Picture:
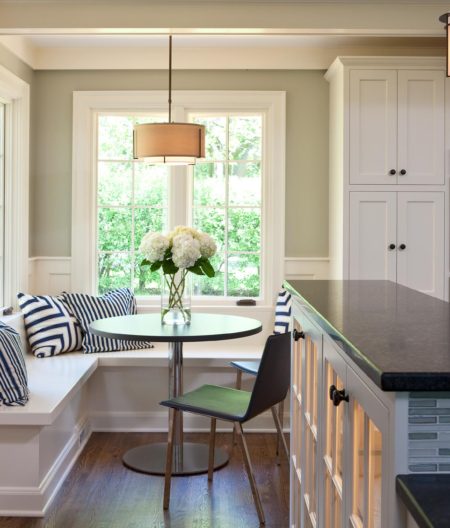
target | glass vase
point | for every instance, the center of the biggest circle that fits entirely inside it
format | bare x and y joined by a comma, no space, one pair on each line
176,298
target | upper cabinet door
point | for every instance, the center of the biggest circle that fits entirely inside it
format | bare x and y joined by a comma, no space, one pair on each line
421,127
420,255
373,226
373,127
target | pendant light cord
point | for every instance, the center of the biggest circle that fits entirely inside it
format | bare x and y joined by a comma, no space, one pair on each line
170,78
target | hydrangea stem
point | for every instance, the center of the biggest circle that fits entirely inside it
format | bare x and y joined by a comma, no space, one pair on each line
176,290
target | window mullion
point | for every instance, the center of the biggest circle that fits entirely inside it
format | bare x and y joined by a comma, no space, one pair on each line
227,193
178,182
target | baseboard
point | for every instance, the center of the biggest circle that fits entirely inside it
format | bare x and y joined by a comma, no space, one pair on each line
34,501
156,422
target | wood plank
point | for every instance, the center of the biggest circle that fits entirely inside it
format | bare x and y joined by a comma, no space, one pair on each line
100,492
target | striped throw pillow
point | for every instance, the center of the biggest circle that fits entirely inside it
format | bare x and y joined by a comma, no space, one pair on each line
50,325
13,372
89,308
283,312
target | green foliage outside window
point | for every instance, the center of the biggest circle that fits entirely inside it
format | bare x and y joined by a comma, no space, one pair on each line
132,199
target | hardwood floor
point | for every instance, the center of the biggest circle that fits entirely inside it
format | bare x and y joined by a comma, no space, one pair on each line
101,493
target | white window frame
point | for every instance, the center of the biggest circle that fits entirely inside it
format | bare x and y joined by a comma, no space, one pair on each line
86,107
15,92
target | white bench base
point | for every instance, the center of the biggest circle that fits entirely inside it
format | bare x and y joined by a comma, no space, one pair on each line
75,394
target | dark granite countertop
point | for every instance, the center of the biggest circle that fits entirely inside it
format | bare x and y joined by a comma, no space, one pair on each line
399,337
427,498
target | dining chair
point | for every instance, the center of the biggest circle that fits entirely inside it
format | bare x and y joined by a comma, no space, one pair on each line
283,312
237,406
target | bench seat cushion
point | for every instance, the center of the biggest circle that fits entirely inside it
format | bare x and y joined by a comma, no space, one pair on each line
13,373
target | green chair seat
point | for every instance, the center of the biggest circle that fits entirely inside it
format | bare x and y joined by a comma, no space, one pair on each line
214,401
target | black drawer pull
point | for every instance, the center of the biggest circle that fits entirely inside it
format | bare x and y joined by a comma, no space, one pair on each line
337,396
298,335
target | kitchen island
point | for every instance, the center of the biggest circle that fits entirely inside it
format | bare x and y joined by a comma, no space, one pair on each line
370,375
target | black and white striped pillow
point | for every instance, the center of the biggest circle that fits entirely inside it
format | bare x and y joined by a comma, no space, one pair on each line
50,326
13,372
283,312
88,308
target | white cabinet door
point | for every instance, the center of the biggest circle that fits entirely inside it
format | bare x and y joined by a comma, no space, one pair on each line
421,127
373,220
373,126
420,255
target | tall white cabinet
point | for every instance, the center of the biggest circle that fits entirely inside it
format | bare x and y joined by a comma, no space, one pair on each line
388,184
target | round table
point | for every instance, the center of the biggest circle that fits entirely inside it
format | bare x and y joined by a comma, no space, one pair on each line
188,458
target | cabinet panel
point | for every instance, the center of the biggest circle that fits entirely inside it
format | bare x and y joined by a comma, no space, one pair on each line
296,428
372,230
421,127
334,374
368,464
373,126
420,265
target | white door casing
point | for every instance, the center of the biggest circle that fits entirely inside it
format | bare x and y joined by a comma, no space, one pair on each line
372,231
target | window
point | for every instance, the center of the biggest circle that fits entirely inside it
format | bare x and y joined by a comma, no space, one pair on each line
2,202
14,184
132,198
231,194
227,202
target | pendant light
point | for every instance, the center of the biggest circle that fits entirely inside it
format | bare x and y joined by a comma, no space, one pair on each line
445,18
169,143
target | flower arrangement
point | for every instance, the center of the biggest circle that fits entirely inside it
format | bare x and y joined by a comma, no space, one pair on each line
181,251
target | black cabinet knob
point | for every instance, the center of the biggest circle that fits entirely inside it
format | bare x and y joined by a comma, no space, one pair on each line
392,172
337,396
298,335
403,172
402,247
391,246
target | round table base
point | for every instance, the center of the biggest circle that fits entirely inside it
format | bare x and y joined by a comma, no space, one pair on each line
151,459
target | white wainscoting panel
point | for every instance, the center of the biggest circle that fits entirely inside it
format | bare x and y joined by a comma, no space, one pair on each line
306,268
52,275
49,275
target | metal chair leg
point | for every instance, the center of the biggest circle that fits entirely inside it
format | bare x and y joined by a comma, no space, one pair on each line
280,431
237,386
281,418
169,457
212,443
249,469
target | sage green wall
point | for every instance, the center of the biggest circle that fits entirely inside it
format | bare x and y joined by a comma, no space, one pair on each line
306,146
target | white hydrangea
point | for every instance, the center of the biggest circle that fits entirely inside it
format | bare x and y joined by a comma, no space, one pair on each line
185,250
153,246
208,247
183,230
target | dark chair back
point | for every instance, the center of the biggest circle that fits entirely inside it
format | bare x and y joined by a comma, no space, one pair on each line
273,379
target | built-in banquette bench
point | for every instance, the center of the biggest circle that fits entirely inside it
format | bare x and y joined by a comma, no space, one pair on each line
73,394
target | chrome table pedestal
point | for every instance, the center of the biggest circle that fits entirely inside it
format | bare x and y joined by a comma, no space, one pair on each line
188,458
